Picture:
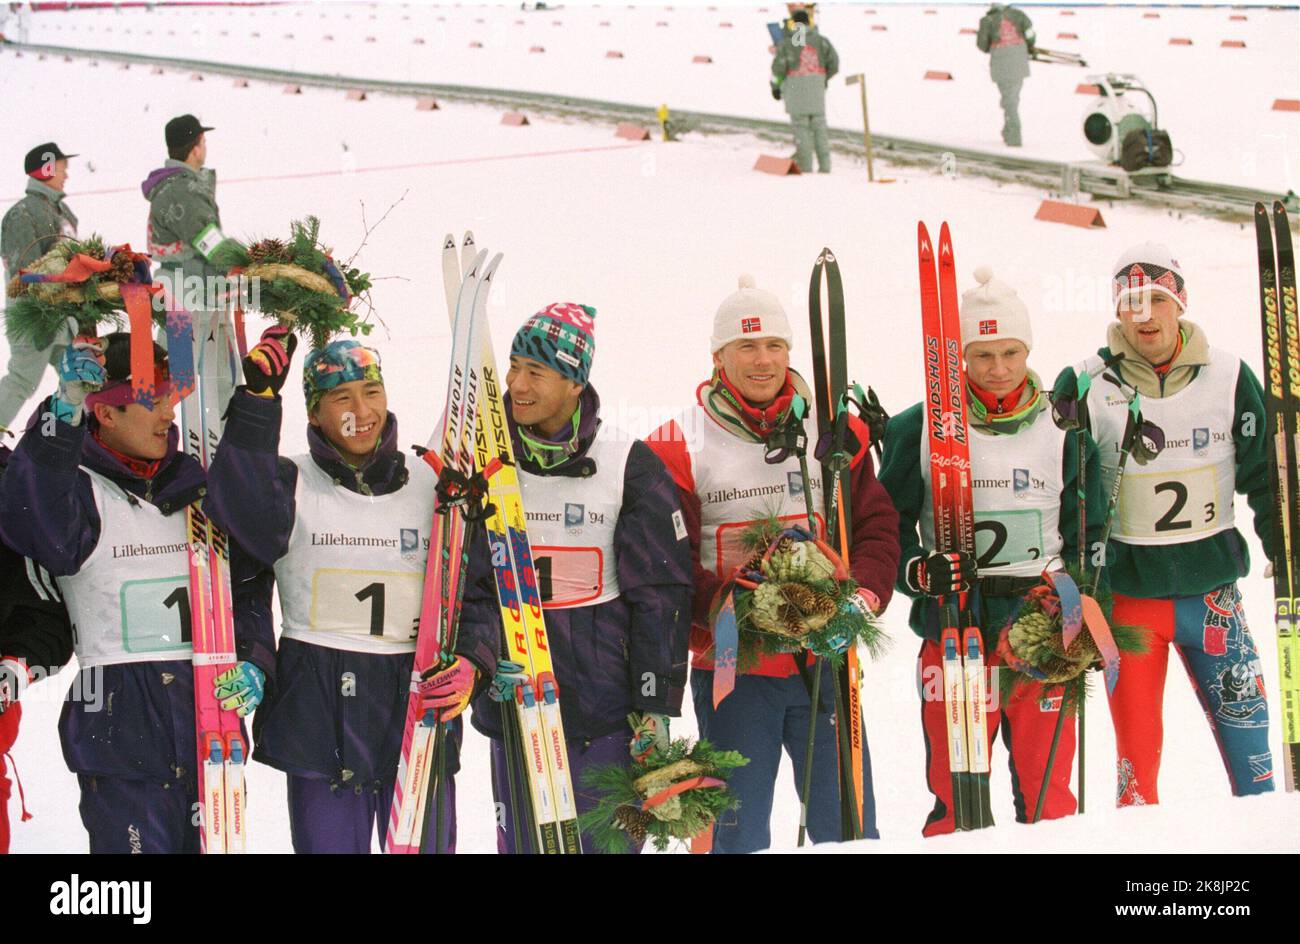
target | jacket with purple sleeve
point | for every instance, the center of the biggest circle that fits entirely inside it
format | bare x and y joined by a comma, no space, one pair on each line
333,713
133,720
628,653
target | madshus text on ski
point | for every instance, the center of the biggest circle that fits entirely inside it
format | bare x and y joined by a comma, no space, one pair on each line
746,550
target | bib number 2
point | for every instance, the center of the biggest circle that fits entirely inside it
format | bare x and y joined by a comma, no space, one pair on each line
1162,505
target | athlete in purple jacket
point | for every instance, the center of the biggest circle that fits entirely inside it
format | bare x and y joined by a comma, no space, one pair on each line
613,563
95,493
346,530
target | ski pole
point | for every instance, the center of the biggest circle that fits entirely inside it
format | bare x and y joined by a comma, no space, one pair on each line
1132,430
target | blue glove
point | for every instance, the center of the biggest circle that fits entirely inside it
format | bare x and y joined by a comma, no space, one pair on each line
241,688
508,679
81,372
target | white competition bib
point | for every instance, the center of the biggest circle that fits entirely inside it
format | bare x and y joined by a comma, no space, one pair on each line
737,489
1186,492
353,576
130,601
571,524
1016,484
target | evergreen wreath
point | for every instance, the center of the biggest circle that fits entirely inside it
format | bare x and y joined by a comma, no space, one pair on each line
299,281
672,795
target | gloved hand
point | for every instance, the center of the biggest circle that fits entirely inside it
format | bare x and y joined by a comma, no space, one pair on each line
649,733
267,365
81,372
509,678
14,678
241,688
939,575
776,91
446,691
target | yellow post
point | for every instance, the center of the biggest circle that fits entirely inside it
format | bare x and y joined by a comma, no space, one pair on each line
860,80
662,114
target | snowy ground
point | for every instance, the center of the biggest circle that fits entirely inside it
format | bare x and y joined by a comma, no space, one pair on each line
653,236
1216,102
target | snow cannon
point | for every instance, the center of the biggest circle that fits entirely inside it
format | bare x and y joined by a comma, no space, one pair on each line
1121,125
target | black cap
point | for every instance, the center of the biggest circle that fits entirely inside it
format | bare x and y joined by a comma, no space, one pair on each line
43,154
183,130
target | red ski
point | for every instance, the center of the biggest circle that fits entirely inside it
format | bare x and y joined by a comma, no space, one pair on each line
965,694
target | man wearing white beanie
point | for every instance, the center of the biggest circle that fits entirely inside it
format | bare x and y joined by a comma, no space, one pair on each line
1175,547
1024,475
717,453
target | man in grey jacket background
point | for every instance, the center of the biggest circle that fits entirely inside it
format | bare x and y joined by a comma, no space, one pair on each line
30,229
805,62
1007,35
184,222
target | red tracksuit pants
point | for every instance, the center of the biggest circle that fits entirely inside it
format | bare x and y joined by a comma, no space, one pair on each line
1026,723
1210,634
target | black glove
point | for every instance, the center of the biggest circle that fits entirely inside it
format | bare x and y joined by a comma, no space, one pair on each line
267,365
941,574
776,92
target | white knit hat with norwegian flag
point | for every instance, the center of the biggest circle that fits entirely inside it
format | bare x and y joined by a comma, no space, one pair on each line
992,311
749,313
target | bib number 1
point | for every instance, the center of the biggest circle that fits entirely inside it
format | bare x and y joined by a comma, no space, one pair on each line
155,614
375,603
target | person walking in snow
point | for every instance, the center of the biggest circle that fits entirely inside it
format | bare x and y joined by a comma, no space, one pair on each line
805,63
1007,35
29,230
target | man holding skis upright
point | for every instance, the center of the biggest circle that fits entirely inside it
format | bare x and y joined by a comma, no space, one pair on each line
717,454
96,493
1177,554
612,558
346,529
1024,473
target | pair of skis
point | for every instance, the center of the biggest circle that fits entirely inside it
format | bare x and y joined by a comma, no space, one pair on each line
964,685
831,390
534,730
203,366
1281,335
421,790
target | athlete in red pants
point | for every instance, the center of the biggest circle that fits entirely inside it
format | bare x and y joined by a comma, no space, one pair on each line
1175,551
1027,722
1024,477
1209,632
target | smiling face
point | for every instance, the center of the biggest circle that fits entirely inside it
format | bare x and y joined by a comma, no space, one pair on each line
1149,322
136,431
998,367
352,417
756,367
540,396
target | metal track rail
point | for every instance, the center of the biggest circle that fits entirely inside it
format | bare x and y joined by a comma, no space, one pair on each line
1167,190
